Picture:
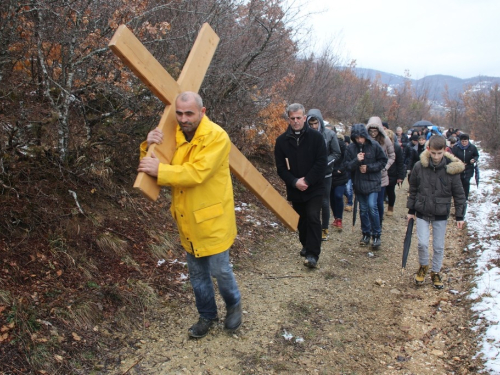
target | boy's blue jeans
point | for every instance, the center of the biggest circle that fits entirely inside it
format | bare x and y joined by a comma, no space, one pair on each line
438,234
368,213
201,271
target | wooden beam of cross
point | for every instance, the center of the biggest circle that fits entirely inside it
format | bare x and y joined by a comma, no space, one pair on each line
134,55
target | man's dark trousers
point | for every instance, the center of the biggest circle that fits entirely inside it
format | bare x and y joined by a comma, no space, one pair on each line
310,224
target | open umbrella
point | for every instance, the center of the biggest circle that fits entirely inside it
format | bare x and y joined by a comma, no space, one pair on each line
423,123
407,243
476,173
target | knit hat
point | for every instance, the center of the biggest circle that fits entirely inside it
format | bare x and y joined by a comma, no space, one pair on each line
414,137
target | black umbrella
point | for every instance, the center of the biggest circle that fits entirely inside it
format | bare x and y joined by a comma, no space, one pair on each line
407,243
476,173
355,208
423,123
354,211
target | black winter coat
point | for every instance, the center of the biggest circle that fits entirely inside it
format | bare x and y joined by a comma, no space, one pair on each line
339,174
411,156
306,157
431,188
466,156
397,171
375,161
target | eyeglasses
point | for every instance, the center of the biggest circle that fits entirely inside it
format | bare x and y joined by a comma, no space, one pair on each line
296,118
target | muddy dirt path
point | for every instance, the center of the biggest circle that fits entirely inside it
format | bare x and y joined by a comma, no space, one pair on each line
355,314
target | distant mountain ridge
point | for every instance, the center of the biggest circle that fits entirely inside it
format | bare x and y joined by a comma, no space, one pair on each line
436,83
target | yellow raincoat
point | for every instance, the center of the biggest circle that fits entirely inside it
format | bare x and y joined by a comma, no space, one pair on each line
202,191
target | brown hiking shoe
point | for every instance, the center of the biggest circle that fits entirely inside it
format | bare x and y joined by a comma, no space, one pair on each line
436,280
420,276
348,208
324,235
390,211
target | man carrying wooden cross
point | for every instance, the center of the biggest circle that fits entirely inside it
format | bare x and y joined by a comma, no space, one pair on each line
202,206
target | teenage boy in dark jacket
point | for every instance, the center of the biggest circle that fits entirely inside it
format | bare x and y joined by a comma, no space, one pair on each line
365,159
340,178
435,179
301,161
316,122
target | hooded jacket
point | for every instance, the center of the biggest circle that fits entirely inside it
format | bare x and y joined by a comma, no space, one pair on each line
332,145
387,146
339,175
303,156
202,190
432,187
434,130
375,160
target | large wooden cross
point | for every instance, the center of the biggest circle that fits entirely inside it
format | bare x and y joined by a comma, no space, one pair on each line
133,54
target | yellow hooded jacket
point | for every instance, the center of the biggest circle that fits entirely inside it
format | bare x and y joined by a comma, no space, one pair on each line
202,190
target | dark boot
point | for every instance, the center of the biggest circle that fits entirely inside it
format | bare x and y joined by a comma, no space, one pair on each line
311,261
201,328
233,317
303,252
365,240
376,242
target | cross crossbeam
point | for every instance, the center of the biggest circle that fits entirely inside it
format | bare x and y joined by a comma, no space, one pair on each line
134,55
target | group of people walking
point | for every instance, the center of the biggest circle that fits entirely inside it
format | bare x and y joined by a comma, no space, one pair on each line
318,167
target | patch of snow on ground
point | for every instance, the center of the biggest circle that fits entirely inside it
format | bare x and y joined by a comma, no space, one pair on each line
484,227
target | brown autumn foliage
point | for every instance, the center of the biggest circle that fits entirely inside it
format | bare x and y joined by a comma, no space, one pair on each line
482,110
71,118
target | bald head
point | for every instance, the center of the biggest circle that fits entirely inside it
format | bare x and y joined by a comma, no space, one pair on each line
189,111
188,96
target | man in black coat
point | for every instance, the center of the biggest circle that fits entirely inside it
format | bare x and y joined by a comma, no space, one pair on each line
301,162
468,154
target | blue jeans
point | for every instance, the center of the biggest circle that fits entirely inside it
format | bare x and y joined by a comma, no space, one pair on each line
348,192
337,201
201,271
438,234
368,213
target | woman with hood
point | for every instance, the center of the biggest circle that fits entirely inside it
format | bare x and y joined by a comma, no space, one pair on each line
365,159
377,132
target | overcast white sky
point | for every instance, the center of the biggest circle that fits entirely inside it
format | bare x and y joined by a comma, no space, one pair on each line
453,37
